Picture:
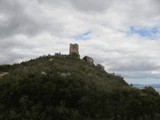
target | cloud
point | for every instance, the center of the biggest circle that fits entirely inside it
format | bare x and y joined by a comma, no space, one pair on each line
19,17
30,28
89,5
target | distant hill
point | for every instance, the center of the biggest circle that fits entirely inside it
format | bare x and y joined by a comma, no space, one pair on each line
63,87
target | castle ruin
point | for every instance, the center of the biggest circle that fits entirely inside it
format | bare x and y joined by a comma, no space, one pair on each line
74,50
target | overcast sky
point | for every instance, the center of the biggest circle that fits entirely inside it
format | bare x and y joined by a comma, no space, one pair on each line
122,35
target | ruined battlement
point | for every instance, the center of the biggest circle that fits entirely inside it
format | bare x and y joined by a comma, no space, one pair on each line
74,49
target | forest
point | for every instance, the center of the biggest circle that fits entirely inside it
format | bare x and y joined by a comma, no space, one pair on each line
61,87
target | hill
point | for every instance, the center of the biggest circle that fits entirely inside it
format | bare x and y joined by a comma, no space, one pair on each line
62,87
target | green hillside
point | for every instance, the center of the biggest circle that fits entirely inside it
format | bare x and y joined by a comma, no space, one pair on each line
62,87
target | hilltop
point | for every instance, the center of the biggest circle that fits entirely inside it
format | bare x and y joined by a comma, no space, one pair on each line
64,87
64,66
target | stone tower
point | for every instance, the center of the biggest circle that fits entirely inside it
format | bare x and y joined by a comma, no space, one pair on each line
74,49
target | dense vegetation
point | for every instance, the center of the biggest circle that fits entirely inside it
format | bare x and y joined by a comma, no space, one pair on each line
62,87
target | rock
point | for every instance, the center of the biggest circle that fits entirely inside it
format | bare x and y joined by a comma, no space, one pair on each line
74,50
43,73
3,74
51,59
89,60
64,74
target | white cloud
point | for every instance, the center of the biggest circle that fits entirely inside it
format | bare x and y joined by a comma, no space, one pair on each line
29,28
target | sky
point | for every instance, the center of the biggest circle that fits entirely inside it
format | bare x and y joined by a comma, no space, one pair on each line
123,36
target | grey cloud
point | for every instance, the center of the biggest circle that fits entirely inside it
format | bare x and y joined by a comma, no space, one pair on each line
90,5
141,75
7,44
22,19
132,64
85,6
21,22
121,64
156,3
53,2
17,21
13,50
10,57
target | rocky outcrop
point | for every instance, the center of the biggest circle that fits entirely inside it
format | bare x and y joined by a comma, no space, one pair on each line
3,74
89,60
74,50
64,74
43,73
50,59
